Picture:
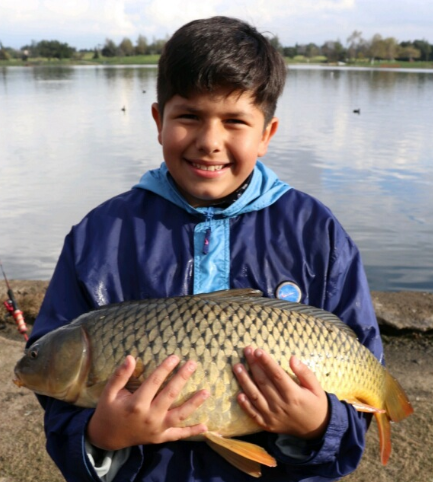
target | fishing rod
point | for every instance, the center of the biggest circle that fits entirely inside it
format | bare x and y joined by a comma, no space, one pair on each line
12,308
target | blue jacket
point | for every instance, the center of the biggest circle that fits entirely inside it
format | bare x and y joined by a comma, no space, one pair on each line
148,242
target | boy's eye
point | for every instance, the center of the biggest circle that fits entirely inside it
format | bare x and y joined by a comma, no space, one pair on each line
235,121
188,116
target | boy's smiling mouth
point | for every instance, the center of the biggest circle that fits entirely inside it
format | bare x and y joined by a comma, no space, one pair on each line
207,167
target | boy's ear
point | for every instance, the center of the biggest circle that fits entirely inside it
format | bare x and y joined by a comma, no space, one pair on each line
158,120
268,133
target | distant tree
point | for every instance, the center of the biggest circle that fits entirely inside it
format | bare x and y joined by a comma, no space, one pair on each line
408,51
355,44
55,49
391,48
156,47
290,52
141,47
109,49
32,49
126,48
275,42
312,50
3,53
377,49
425,48
334,51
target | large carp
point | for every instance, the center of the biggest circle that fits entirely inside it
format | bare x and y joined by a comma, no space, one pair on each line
73,363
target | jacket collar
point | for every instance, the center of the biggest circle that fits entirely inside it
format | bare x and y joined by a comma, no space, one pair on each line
263,190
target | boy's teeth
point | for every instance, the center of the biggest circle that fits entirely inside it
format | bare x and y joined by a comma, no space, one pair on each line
207,168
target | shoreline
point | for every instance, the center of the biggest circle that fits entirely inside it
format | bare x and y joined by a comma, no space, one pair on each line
152,60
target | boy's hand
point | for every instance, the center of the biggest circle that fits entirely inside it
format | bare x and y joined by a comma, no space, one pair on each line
276,402
123,419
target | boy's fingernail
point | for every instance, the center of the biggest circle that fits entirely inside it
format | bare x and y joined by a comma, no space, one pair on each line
191,366
248,351
258,353
173,359
238,369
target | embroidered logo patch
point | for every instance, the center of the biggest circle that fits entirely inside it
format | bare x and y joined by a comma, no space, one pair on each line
288,291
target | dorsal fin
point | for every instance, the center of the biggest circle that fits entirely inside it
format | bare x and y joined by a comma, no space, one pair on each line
234,293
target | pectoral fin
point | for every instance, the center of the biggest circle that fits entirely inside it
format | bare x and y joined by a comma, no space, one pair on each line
244,456
363,407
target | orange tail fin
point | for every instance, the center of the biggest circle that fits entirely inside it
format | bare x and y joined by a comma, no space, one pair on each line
397,404
397,407
384,436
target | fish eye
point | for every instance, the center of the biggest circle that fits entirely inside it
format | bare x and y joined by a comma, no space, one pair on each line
33,352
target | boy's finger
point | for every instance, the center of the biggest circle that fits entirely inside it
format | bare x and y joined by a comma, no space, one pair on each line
178,415
282,382
150,387
250,409
306,377
120,377
267,373
252,391
171,391
179,433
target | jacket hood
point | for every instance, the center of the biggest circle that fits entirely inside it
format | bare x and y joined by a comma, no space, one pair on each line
263,190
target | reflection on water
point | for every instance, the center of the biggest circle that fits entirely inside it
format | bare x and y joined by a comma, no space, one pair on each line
67,145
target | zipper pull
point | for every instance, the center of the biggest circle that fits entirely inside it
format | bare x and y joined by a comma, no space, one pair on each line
209,215
206,241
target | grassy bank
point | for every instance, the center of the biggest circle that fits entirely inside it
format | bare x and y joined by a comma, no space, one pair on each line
87,59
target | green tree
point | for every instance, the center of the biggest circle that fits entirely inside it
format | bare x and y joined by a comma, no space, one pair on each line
109,49
290,51
156,47
356,44
408,52
377,49
126,48
312,50
424,47
275,42
391,48
3,53
55,49
141,47
334,51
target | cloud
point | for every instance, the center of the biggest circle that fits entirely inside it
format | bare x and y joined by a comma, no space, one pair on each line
85,23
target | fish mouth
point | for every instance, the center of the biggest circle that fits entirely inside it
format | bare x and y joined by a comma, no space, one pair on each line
18,382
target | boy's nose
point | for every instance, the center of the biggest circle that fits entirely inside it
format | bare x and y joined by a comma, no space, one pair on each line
209,138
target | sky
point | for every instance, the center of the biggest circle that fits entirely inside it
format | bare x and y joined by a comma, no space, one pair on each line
85,24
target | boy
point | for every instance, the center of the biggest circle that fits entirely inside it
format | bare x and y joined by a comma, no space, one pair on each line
210,218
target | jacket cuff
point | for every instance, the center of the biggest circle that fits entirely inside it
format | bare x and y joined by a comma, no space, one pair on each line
66,444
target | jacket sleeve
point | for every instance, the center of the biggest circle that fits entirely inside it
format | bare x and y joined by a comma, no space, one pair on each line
346,294
65,424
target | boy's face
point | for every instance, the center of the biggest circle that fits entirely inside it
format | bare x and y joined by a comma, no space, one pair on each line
211,142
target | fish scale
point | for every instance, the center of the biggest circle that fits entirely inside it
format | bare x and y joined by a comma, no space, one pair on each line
212,329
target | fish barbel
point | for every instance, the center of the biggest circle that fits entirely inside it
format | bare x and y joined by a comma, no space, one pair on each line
74,362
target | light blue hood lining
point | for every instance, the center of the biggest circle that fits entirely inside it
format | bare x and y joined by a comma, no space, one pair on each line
212,233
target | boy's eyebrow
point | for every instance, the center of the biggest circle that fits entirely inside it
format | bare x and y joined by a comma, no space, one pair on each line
195,110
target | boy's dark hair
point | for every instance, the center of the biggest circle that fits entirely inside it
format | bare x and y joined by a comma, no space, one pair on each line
205,55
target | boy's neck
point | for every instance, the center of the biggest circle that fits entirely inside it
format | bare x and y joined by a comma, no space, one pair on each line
227,200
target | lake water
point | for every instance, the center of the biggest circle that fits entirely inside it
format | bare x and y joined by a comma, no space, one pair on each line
66,146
